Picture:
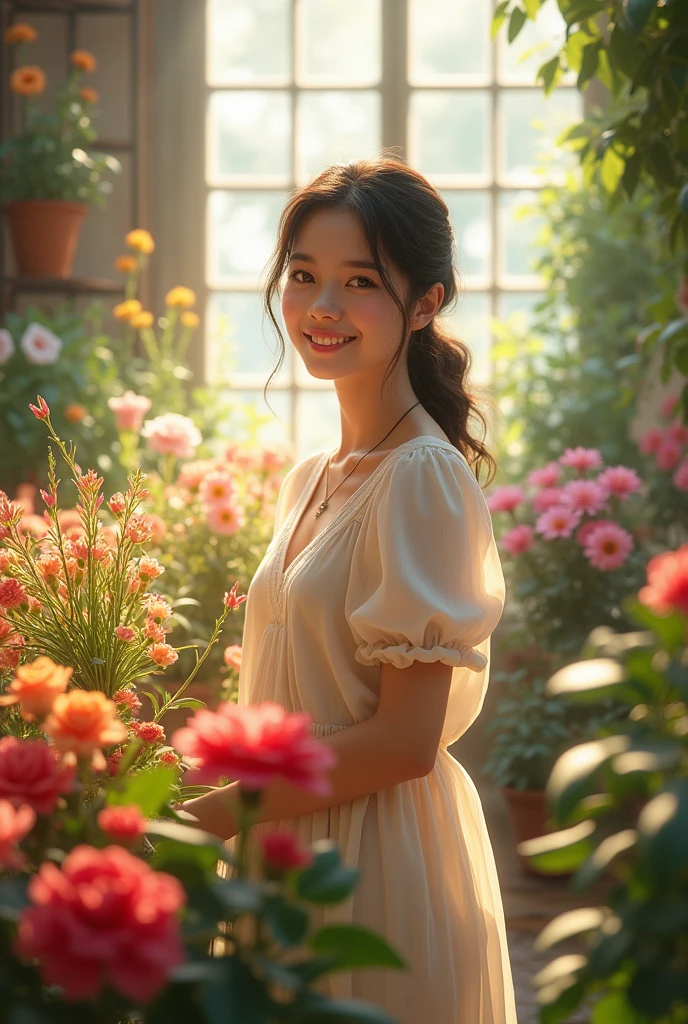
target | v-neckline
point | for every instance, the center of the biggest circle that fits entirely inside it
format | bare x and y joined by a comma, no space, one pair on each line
294,518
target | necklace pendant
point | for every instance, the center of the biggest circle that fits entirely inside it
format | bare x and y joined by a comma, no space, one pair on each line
321,507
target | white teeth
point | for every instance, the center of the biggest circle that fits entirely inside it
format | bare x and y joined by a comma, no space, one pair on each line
330,341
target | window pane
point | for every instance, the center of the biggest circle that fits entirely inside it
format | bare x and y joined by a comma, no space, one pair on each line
518,229
530,122
520,306
536,42
248,40
239,340
335,127
470,323
242,231
249,135
459,49
470,217
449,132
248,407
339,41
317,421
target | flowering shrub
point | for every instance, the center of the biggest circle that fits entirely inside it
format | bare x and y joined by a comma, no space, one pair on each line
108,901
621,803
51,157
571,550
666,449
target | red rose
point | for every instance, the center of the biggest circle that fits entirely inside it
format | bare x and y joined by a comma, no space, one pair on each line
105,918
30,773
122,824
255,745
283,852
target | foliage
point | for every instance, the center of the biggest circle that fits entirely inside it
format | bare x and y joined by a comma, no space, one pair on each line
52,156
621,802
571,378
76,374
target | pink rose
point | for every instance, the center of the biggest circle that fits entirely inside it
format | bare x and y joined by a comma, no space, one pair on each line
651,441
581,459
232,656
283,852
15,823
172,434
608,546
680,477
518,539
129,410
122,824
105,918
678,432
30,773
505,499
667,582
254,745
669,453
558,521
620,481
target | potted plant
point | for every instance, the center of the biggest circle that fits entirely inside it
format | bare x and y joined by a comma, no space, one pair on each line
48,173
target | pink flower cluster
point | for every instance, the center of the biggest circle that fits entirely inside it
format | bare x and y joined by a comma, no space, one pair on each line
560,507
668,444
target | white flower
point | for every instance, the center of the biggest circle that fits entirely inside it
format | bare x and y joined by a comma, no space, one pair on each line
40,345
6,346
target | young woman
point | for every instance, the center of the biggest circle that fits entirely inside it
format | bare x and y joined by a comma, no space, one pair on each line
374,605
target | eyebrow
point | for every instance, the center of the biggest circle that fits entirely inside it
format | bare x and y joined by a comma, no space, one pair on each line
362,264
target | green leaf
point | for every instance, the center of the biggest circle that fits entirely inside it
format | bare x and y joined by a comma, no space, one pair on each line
148,790
560,851
598,863
636,13
576,768
516,22
590,59
681,358
238,996
663,829
631,174
355,947
614,1008
287,922
315,1009
532,7
623,50
498,18
327,880
573,922
549,73
239,896
596,676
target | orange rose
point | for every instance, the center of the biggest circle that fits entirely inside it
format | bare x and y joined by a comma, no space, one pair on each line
140,240
82,60
75,413
20,32
127,264
142,319
126,310
28,80
84,721
89,95
180,296
36,686
189,319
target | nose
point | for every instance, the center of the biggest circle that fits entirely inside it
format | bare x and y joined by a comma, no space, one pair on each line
325,306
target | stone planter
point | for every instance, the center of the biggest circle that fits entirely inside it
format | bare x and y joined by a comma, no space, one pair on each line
45,234
529,819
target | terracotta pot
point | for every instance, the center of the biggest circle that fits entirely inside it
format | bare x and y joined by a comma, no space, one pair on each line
44,233
529,819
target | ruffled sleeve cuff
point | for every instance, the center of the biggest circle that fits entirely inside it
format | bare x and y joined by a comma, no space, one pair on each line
403,655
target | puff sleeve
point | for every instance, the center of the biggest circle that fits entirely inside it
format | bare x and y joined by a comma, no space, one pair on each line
426,582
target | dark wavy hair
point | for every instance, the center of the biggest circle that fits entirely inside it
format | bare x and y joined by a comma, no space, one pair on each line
406,221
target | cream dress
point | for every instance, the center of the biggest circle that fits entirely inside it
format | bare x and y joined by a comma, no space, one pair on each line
407,570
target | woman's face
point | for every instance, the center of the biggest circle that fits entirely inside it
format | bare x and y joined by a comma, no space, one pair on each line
339,316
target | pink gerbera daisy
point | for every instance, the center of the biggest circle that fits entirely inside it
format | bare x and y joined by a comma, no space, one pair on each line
548,476
585,496
518,539
548,497
669,453
583,532
651,441
559,521
620,481
608,546
581,458
226,519
217,488
505,499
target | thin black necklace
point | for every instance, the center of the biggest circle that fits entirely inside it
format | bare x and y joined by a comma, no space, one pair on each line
323,504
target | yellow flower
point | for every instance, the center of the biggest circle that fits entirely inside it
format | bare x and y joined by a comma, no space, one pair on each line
28,80
189,319
20,32
180,296
140,240
89,95
82,60
126,310
127,264
142,319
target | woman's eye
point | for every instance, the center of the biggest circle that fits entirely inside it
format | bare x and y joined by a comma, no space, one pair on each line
367,283
297,278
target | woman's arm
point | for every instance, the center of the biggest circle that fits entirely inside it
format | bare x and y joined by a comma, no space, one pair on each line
398,743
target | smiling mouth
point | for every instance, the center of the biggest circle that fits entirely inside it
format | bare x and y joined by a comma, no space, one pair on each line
328,342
